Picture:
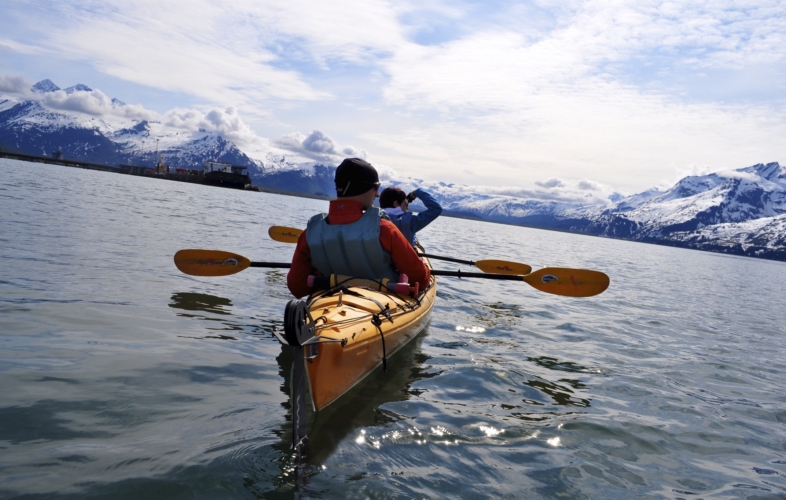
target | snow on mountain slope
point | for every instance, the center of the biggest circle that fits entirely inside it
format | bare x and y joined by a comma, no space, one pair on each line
694,202
29,114
691,186
6,104
773,177
30,126
765,237
79,87
487,203
767,232
740,211
45,86
634,201
688,214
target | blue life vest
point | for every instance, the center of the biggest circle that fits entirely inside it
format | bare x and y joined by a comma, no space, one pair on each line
350,249
402,222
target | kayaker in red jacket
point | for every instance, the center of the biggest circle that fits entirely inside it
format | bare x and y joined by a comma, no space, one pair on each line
354,238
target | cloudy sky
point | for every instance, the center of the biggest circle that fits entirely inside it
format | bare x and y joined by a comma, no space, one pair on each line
601,94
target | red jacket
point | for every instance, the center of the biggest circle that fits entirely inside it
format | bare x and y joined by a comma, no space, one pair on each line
393,242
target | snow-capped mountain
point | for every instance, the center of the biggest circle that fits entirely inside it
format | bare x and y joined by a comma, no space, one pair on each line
45,86
765,237
79,87
741,211
697,202
28,126
309,178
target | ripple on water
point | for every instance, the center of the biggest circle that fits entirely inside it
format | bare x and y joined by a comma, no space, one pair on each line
451,345
123,378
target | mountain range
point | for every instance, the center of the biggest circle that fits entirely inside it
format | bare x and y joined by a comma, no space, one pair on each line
28,126
740,212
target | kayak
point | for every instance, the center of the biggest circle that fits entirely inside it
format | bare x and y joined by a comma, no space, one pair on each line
350,328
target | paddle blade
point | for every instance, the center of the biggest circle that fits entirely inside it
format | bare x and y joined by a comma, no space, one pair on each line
284,234
503,267
568,282
210,262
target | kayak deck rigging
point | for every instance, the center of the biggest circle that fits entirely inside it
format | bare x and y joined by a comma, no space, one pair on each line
342,333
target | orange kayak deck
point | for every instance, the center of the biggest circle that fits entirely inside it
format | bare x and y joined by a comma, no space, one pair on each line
349,345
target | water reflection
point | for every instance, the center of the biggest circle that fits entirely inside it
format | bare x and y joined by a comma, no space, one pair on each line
43,420
555,364
200,302
363,415
211,304
366,409
560,393
359,408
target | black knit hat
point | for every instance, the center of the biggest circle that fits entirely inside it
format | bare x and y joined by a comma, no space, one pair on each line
355,176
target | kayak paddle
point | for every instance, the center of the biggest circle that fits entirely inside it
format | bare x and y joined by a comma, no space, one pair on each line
284,234
557,280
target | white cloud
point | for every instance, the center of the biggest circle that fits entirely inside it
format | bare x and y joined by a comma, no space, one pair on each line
16,85
499,68
22,48
317,146
582,191
550,183
517,102
93,102
587,185
226,122
318,142
498,94
529,108
134,112
238,52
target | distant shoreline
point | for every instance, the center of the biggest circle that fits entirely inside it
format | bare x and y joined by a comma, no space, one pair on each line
63,162
736,249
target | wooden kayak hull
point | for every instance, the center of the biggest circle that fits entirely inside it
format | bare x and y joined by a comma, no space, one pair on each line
350,345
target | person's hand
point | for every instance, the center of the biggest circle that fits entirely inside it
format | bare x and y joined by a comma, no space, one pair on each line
411,197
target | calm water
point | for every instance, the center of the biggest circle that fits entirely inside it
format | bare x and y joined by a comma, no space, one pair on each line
122,378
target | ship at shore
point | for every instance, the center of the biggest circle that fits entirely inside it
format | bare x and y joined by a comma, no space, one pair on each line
225,175
214,173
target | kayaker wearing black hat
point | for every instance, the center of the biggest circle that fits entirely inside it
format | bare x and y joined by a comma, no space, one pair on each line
354,238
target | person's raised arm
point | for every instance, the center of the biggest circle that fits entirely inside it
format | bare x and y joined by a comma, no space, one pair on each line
423,219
